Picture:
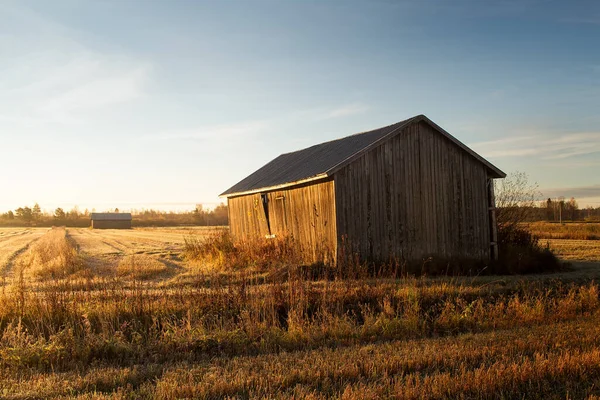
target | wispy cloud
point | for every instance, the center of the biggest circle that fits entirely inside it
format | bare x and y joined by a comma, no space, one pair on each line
347,110
579,192
223,132
47,77
591,20
544,147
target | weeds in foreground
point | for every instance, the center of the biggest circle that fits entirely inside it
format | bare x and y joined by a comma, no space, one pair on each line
60,329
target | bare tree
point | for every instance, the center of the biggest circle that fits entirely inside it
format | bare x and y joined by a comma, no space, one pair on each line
515,200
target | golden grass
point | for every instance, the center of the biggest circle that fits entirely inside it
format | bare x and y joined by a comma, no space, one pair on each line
549,361
13,242
569,230
577,250
54,255
154,325
140,267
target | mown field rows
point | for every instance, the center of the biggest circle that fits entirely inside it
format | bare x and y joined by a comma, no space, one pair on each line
572,249
13,242
153,253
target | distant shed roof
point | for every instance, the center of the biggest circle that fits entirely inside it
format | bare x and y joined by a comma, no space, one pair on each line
111,216
322,160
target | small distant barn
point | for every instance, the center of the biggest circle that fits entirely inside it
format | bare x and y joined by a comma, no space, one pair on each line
111,220
408,190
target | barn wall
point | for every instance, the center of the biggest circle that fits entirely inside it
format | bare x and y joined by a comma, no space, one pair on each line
306,213
415,195
247,219
106,224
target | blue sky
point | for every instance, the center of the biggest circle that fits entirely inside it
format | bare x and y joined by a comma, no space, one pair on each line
165,104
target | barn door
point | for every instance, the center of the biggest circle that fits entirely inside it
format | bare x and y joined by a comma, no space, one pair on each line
278,214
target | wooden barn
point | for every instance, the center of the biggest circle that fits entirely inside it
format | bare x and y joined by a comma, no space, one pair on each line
408,190
111,220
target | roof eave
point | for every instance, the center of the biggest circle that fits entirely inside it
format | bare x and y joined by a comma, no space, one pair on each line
275,187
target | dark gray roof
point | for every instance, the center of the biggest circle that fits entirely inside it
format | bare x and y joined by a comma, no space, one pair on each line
111,216
324,159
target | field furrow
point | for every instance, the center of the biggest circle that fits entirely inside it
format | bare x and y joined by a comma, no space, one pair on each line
13,243
143,253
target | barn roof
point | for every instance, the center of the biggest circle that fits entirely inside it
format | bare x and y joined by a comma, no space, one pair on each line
111,216
323,160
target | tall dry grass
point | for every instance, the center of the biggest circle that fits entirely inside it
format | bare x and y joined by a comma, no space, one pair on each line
543,362
59,330
218,250
280,329
520,253
54,255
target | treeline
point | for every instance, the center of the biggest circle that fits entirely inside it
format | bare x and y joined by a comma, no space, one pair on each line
560,210
34,216
199,216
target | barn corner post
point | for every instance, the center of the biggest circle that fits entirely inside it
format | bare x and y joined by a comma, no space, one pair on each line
492,219
229,217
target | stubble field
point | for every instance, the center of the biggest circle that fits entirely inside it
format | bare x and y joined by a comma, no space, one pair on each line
123,314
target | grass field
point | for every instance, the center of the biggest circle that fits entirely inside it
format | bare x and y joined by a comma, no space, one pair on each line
568,230
123,314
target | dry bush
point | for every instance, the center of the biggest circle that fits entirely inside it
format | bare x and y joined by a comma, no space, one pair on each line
519,250
219,251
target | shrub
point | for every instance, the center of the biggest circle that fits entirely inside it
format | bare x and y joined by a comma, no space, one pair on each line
521,253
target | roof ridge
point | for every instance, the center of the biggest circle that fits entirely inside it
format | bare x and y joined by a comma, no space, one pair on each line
348,136
323,160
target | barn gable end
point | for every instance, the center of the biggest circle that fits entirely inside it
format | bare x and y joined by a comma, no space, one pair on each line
421,195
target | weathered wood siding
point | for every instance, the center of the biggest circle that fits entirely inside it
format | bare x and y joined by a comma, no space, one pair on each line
306,213
247,220
415,195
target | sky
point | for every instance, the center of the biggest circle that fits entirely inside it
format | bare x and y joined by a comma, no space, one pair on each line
166,104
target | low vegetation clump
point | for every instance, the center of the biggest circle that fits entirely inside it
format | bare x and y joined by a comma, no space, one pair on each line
520,252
